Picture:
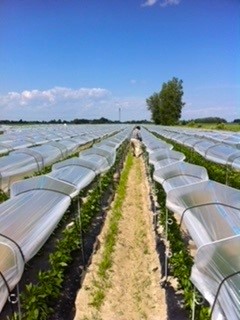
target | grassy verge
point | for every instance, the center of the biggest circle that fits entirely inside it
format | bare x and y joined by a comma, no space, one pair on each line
102,283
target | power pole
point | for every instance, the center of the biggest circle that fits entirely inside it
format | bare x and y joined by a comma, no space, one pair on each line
119,113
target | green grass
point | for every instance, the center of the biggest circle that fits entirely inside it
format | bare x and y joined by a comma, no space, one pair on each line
214,126
102,283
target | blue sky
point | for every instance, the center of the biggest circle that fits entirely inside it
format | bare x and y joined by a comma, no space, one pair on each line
67,59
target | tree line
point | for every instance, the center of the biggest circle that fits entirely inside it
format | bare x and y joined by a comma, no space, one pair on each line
101,120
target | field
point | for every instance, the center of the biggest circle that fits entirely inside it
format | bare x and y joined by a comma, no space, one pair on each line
117,248
213,126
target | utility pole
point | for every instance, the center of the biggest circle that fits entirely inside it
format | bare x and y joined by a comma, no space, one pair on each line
119,113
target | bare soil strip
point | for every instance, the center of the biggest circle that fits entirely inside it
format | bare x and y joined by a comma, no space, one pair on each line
133,291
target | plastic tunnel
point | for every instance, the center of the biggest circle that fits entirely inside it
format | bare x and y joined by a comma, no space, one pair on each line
211,213
36,205
179,174
165,157
24,230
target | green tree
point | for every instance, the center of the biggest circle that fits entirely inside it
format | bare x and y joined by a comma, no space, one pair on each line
166,106
153,103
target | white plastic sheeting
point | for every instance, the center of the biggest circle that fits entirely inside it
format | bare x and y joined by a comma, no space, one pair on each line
26,222
211,210
28,136
216,273
21,163
152,143
211,213
25,161
37,204
75,171
224,154
222,148
81,171
179,174
164,158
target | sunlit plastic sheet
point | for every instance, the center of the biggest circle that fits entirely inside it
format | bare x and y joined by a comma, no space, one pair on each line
224,154
154,146
164,157
203,145
25,227
183,138
178,137
81,171
4,149
165,133
217,147
75,171
179,174
21,163
50,136
97,156
216,273
234,140
152,143
14,167
210,210
114,141
51,198
82,139
215,135
18,144
102,154
11,267
71,145
106,151
211,213
38,139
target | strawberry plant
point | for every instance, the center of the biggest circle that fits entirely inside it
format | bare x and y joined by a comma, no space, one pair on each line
180,262
217,172
37,299
3,196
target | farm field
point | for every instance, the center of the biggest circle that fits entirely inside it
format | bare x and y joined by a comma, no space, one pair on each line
141,267
235,127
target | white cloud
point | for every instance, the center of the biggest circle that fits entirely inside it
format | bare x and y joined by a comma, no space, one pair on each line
68,104
52,103
149,3
166,3
163,4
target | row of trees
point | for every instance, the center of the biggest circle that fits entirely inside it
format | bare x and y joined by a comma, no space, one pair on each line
75,121
166,105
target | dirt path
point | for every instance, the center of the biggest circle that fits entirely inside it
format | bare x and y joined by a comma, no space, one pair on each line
133,291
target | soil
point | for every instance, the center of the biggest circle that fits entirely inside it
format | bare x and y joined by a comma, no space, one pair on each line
135,291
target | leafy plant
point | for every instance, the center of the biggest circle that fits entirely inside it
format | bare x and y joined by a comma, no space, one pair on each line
3,196
37,299
181,261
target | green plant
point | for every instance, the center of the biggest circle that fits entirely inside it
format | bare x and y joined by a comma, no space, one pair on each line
181,261
105,264
37,299
3,196
216,172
